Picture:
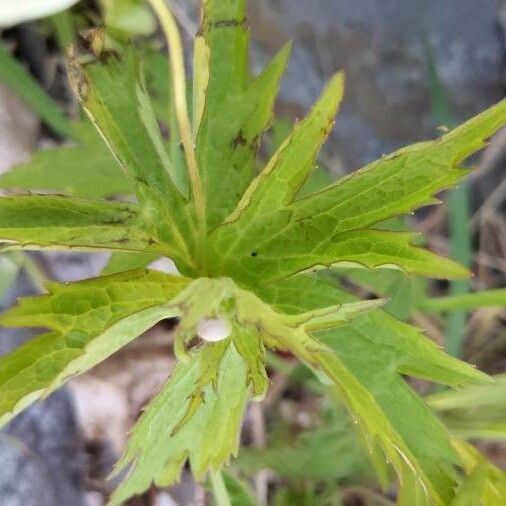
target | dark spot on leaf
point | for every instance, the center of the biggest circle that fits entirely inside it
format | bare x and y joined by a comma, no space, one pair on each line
228,23
239,140
254,254
113,220
141,180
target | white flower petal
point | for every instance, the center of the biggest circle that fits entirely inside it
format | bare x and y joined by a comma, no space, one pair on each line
214,329
13,12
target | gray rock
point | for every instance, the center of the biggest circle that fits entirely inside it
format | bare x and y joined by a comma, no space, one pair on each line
381,46
49,431
42,457
72,266
24,478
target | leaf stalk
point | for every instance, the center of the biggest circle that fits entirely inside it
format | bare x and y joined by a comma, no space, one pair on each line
175,48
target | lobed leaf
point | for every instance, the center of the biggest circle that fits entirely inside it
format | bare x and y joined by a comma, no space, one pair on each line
115,98
231,112
35,221
402,181
197,415
370,355
330,227
284,175
256,258
90,320
160,444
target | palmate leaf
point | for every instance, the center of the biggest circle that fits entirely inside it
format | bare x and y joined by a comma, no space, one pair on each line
269,260
233,111
304,233
197,414
89,320
254,235
85,170
115,98
160,444
370,355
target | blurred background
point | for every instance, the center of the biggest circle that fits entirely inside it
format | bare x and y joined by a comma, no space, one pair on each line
413,68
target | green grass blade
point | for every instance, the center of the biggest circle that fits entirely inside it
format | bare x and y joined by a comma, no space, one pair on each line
22,84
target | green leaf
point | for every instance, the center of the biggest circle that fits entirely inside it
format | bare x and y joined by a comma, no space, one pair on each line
115,98
129,16
238,492
282,178
235,111
28,89
36,221
160,444
402,181
255,258
228,237
90,320
86,170
197,415
370,355
475,411
484,483
324,454
305,233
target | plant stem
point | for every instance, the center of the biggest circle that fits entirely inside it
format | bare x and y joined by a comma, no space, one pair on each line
175,48
220,492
